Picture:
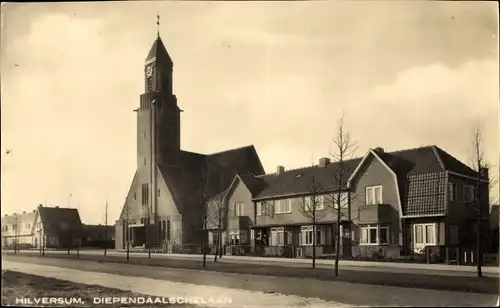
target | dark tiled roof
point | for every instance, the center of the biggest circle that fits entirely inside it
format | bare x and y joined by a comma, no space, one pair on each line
187,181
453,164
412,166
253,183
53,217
159,51
298,181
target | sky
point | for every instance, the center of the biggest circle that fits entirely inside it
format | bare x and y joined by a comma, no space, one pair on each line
277,75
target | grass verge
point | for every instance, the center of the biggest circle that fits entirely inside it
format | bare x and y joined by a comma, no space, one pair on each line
16,285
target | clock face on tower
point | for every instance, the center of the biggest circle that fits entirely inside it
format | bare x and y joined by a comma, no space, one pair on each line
149,71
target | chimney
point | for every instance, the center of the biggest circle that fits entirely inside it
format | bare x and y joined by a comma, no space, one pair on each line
484,173
379,150
34,211
24,212
40,205
280,169
57,206
324,161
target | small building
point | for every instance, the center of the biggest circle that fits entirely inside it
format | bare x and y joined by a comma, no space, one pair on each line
50,227
98,236
58,227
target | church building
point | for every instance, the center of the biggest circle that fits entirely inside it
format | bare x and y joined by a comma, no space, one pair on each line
164,205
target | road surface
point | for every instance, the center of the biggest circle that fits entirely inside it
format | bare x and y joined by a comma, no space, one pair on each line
263,289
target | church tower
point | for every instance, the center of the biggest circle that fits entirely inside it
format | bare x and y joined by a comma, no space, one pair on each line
158,116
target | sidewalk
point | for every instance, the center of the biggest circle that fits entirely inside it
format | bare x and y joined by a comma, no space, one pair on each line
304,262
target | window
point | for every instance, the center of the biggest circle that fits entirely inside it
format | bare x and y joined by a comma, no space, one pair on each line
259,208
306,235
343,200
419,234
317,200
281,236
374,195
424,234
238,208
468,193
374,235
238,237
145,194
452,194
282,206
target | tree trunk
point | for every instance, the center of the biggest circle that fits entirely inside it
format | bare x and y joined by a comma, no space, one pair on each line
106,239
479,255
205,242
337,248
314,246
216,249
221,244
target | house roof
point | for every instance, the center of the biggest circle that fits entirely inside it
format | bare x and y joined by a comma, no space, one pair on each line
97,232
409,166
52,218
159,52
216,171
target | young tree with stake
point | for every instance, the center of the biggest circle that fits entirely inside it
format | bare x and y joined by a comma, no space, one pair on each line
312,208
106,228
204,203
344,149
479,164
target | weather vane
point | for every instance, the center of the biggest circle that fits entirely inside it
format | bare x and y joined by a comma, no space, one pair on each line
158,23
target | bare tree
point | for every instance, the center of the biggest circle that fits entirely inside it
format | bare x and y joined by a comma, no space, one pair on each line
217,215
312,208
16,233
480,164
106,229
344,149
126,213
204,202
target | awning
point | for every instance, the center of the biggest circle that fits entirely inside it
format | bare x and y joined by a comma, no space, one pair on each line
136,226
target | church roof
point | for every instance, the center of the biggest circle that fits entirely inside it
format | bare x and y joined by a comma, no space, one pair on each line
159,52
187,180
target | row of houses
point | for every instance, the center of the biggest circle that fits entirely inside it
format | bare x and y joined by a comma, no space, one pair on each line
392,204
52,227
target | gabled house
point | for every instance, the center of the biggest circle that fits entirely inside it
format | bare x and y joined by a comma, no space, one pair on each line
57,227
399,202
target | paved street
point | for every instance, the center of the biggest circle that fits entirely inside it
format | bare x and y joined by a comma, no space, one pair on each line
427,269
250,290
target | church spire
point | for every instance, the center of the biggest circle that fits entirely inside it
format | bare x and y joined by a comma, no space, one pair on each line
158,53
